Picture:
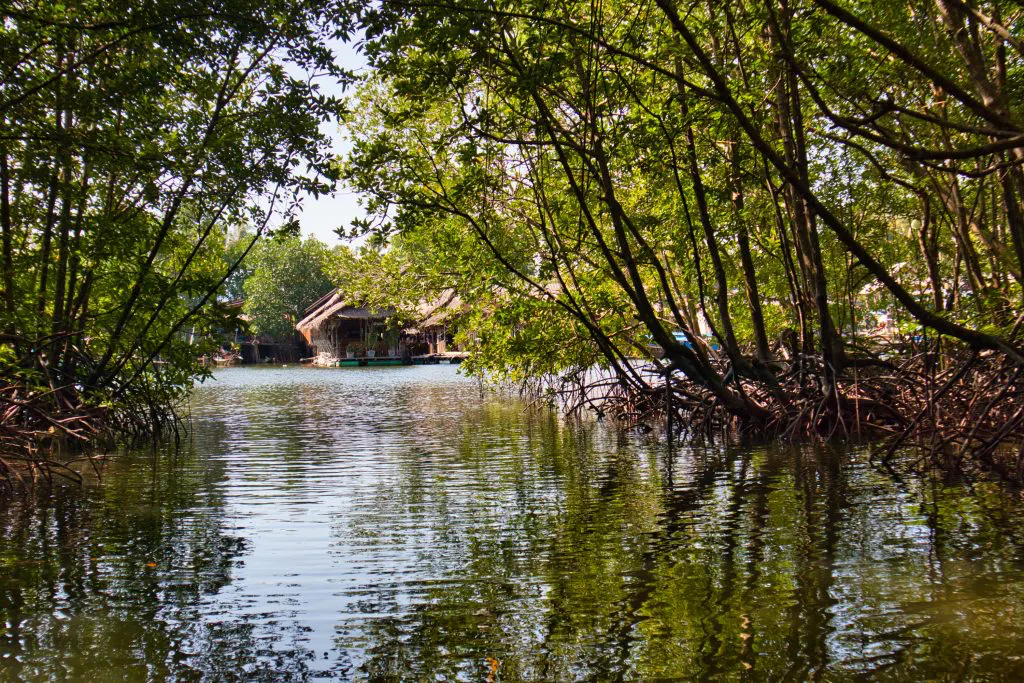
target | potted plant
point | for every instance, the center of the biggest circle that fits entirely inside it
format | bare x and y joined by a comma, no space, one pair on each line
392,340
372,341
354,349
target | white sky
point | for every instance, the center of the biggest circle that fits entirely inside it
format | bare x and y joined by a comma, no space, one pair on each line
321,216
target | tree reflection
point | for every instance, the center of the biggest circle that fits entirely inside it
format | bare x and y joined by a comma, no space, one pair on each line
116,580
472,539
569,553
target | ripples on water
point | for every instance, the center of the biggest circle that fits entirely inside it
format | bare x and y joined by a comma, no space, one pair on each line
398,524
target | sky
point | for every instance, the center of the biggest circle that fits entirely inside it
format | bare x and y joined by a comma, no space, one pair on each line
321,216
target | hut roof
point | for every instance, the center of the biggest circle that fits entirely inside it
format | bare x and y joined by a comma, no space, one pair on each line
335,306
320,302
436,312
314,312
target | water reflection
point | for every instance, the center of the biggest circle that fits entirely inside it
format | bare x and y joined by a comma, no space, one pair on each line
398,525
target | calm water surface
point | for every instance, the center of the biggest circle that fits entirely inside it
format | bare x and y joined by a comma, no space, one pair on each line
397,524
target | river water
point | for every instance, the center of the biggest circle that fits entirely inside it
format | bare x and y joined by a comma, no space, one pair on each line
400,524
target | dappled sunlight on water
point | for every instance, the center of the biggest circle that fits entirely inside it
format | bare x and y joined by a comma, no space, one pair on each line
397,524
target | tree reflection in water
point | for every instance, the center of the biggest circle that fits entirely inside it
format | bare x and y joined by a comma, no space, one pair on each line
438,534
115,581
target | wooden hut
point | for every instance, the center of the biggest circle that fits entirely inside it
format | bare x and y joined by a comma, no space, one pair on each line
432,335
337,330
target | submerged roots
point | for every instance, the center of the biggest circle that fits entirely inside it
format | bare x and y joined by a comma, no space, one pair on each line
54,432
961,410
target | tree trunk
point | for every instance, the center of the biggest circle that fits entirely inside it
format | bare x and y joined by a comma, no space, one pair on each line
7,233
747,262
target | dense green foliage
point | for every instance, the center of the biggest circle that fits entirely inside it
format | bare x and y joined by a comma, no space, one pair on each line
745,189
288,274
764,173
132,135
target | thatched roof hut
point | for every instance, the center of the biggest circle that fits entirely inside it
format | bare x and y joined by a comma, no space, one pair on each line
333,323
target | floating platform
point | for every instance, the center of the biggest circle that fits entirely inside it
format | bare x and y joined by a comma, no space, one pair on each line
365,362
438,358
431,359
377,361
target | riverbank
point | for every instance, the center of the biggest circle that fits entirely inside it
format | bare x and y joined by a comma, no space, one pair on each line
50,432
958,410
961,410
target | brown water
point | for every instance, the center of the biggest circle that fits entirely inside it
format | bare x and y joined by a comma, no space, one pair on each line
397,524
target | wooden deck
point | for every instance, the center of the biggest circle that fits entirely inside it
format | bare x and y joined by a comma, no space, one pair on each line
453,358
364,361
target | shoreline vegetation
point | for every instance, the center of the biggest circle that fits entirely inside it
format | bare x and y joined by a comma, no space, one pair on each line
137,139
959,410
741,194
752,189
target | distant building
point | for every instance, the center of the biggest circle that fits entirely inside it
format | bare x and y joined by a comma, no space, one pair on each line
340,331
